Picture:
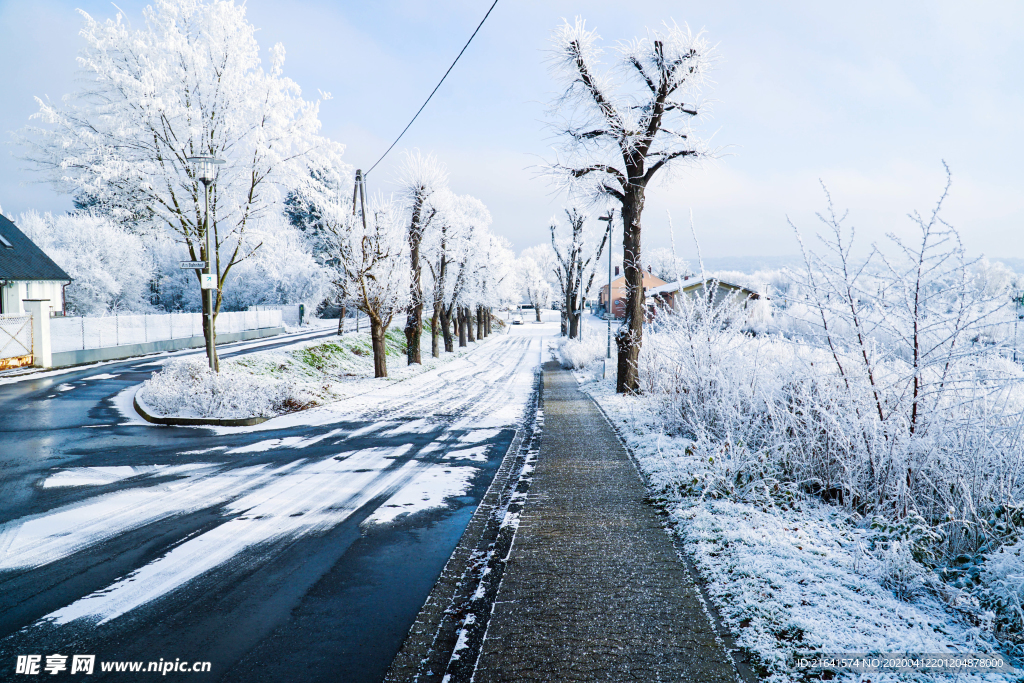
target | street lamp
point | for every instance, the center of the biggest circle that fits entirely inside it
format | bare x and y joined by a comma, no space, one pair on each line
204,164
608,300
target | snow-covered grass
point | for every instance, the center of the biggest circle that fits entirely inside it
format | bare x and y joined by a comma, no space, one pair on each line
278,381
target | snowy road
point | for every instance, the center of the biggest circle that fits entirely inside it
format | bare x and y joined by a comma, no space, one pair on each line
299,549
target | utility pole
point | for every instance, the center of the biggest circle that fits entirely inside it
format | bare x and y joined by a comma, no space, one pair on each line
1017,302
360,190
205,172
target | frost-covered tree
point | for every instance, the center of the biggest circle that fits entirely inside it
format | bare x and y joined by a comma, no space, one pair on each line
533,284
544,256
190,83
495,282
420,178
619,133
372,264
449,254
666,265
110,268
577,264
283,271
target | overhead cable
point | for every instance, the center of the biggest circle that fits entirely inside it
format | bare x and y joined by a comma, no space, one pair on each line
435,89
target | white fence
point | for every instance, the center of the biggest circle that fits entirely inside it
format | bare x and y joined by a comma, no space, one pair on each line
80,333
15,336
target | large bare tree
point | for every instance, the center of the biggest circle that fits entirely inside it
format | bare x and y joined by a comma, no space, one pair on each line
618,134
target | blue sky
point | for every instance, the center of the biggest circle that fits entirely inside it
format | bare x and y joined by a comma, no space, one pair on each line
868,96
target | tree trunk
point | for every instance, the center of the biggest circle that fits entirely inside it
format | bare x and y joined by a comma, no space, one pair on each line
574,325
564,330
341,322
446,329
469,324
380,361
536,311
435,332
480,323
414,318
630,335
413,333
461,322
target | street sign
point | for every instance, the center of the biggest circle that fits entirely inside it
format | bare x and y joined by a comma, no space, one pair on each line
209,281
193,264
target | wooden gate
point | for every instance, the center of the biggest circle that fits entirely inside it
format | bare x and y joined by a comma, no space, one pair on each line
15,341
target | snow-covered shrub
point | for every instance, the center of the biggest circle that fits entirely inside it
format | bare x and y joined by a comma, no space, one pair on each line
576,354
1001,579
188,388
888,401
110,268
902,551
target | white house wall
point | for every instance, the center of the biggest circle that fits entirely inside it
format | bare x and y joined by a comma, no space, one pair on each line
15,293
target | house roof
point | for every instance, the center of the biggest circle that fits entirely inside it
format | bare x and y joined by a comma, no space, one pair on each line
21,259
650,281
688,285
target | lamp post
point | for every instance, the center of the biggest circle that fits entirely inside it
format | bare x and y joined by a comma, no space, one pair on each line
608,300
205,172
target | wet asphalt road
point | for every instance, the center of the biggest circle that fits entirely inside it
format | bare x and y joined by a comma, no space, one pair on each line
274,552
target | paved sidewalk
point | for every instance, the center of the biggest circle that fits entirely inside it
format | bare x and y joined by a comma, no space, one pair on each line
594,590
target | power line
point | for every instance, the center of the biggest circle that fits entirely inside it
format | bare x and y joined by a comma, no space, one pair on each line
435,89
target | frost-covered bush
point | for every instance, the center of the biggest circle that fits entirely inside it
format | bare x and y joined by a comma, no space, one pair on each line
576,354
889,400
188,388
1001,579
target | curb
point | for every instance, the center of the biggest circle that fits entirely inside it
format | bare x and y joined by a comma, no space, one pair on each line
430,652
195,421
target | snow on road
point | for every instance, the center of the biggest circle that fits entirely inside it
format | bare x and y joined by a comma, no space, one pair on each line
454,409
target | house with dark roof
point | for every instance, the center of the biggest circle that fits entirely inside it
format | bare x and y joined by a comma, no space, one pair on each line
26,273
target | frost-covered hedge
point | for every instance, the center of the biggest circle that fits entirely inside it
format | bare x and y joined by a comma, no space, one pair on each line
188,388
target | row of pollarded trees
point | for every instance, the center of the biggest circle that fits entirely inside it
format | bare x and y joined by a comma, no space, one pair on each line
393,255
